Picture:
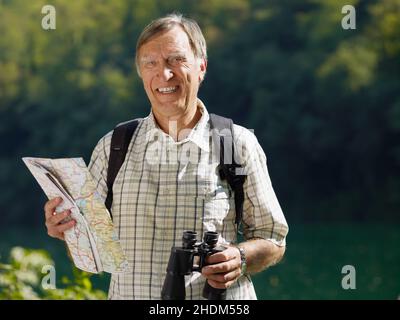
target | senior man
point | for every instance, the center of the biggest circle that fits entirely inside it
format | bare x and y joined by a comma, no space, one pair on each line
157,195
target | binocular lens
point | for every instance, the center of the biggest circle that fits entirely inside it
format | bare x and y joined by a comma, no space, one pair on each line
189,239
211,238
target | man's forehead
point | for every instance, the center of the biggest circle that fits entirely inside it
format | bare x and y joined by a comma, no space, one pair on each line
174,40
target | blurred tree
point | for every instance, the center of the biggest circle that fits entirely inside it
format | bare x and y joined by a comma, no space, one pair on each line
21,279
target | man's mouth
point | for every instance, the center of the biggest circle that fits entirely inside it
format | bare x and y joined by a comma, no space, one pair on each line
167,90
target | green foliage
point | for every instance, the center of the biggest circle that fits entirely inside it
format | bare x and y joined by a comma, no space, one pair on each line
21,278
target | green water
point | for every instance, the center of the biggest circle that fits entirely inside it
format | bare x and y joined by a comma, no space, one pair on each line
315,255
311,268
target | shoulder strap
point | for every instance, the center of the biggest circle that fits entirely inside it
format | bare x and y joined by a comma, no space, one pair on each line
120,140
222,130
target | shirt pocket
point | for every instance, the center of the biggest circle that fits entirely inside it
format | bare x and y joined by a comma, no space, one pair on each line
217,207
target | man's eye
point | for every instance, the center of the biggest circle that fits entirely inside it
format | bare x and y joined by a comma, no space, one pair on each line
176,60
149,64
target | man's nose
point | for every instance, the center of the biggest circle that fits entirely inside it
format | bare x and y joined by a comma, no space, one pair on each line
165,72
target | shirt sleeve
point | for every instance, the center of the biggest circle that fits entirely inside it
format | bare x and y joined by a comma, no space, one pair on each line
262,214
98,165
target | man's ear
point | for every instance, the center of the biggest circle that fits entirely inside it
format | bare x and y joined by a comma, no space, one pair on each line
203,69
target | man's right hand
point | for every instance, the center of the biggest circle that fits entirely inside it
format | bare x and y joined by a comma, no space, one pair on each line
54,226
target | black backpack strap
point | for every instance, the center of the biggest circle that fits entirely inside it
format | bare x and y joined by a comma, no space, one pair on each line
120,140
222,130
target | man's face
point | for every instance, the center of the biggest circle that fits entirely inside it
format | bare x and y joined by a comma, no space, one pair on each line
171,74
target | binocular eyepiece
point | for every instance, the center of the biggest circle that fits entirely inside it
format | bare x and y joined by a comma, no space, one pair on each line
181,263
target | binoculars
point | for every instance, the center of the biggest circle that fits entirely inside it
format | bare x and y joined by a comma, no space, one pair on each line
181,263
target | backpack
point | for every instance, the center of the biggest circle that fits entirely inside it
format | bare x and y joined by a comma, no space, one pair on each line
122,136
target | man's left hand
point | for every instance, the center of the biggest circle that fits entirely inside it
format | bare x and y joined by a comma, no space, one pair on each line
223,269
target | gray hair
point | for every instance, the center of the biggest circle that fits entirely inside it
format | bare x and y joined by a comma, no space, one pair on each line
190,26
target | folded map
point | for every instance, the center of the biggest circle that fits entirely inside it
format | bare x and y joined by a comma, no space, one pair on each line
92,242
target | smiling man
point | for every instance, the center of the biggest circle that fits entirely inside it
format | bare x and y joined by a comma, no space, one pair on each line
172,69
154,201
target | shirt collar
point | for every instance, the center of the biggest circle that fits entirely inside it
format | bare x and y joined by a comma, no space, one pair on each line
199,135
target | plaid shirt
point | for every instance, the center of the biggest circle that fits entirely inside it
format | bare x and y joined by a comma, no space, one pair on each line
165,187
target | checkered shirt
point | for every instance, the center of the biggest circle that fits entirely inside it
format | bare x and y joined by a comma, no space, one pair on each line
165,187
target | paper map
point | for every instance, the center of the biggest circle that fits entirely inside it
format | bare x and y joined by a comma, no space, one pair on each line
92,242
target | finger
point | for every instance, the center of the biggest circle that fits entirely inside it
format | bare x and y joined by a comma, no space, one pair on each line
217,258
54,234
221,267
226,255
65,226
51,205
225,277
54,220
